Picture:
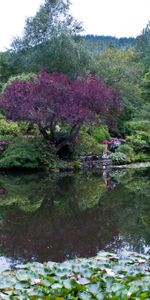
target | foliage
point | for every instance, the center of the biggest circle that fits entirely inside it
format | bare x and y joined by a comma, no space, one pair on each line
51,19
132,127
122,70
146,87
8,127
20,154
63,54
6,69
143,46
138,132
100,133
135,150
140,141
52,98
87,145
140,157
99,42
144,112
106,276
27,153
119,158
126,149
22,77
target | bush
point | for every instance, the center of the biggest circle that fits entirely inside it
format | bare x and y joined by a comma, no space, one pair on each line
140,157
27,153
23,77
28,128
133,126
20,154
138,143
87,145
119,158
17,128
100,134
139,135
126,149
8,127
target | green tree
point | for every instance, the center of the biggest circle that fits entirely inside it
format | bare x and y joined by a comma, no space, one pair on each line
49,42
63,54
143,46
121,69
146,87
6,69
51,19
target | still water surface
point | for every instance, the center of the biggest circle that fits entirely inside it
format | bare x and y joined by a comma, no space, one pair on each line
59,216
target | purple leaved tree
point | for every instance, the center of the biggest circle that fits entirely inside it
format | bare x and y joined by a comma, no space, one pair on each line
52,99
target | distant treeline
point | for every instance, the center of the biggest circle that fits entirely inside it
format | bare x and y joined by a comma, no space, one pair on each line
110,41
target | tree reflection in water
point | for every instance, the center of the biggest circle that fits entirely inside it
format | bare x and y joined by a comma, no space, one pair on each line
53,217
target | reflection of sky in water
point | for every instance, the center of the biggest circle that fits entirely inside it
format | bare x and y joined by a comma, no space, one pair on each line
5,263
9,263
124,246
120,244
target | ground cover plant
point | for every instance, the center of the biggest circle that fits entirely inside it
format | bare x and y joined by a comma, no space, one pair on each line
106,276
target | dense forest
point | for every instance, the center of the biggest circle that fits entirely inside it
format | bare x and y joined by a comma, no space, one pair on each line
104,42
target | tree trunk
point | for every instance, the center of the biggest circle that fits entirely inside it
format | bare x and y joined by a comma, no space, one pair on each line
43,132
53,136
71,139
74,132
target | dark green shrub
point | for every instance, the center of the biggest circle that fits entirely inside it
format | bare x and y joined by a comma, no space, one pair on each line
119,158
77,165
140,157
87,145
126,149
138,143
27,153
142,135
100,134
20,154
133,126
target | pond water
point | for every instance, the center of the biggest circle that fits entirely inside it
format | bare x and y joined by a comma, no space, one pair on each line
59,216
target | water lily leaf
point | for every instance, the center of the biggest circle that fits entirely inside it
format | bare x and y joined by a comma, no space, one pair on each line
57,286
6,283
100,296
69,283
85,296
83,281
94,288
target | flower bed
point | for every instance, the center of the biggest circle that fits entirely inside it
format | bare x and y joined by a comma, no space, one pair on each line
105,276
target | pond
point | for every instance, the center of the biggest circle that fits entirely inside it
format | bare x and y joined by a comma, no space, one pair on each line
60,216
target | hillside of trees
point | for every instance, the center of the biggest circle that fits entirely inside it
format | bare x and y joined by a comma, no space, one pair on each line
102,42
